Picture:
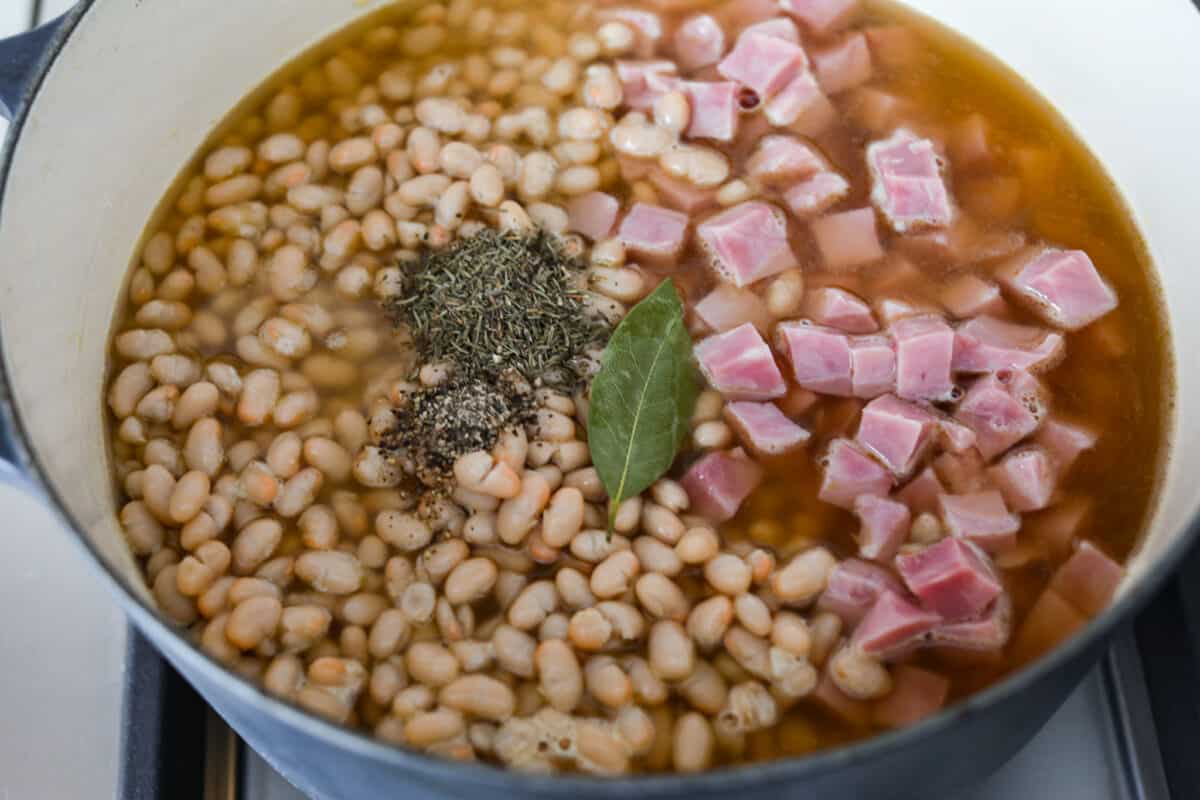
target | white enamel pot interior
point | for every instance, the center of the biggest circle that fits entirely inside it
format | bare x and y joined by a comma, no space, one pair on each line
135,87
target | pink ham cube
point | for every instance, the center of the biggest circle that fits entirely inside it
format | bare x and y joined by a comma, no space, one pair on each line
819,357
852,588
838,308
680,194
1025,478
1002,408
1051,620
896,432
801,105
850,473
848,239
720,482
821,16
954,436
906,183
969,296
764,63
1088,580
883,527
843,66
982,518
916,694
654,232
714,109
953,578
1057,528
922,493
1062,286
740,365
727,307
783,158
872,366
593,214
816,194
643,82
1065,441
699,42
987,633
987,344
764,428
894,627
779,27
924,354
747,243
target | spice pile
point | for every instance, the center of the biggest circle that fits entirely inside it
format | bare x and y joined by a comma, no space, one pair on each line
504,314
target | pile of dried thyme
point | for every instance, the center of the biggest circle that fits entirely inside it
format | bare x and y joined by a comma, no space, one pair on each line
502,311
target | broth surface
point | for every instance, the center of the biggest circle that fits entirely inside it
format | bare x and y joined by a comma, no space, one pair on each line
1039,181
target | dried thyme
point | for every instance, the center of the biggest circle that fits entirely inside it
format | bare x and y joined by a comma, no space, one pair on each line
494,301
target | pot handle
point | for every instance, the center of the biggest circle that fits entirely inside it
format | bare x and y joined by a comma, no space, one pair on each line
19,57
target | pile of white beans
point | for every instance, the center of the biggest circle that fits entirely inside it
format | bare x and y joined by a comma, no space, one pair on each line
254,374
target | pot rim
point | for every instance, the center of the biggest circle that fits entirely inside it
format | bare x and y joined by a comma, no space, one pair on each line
419,764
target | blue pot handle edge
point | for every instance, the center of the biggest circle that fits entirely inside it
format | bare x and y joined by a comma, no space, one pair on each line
19,56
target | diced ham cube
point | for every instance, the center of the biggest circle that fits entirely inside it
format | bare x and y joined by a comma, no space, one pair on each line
954,436
922,493
681,194
852,588
953,578
1051,620
727,307
924,354
962,473
1088,580
1064,441
747,243
1002,408
816,194
764,428
848,239
893,627
593,214
849,473
843,66
1026,479
821,16
987,344
779,158
800,104
906,183
898,433
643,82
764,63
982,518
699,42
1062,286
654,232
740,365
916,694
779,27
714,109
969,296
987,633
872,366
819,357
884,526
838,308
720,482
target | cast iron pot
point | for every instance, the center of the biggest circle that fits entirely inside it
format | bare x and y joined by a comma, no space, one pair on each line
113,99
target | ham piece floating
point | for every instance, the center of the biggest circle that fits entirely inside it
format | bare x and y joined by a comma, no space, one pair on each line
719,482
1061,286
739,364
747,243
906,183
764,428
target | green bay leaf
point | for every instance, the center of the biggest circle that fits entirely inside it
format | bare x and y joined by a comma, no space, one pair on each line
642,397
